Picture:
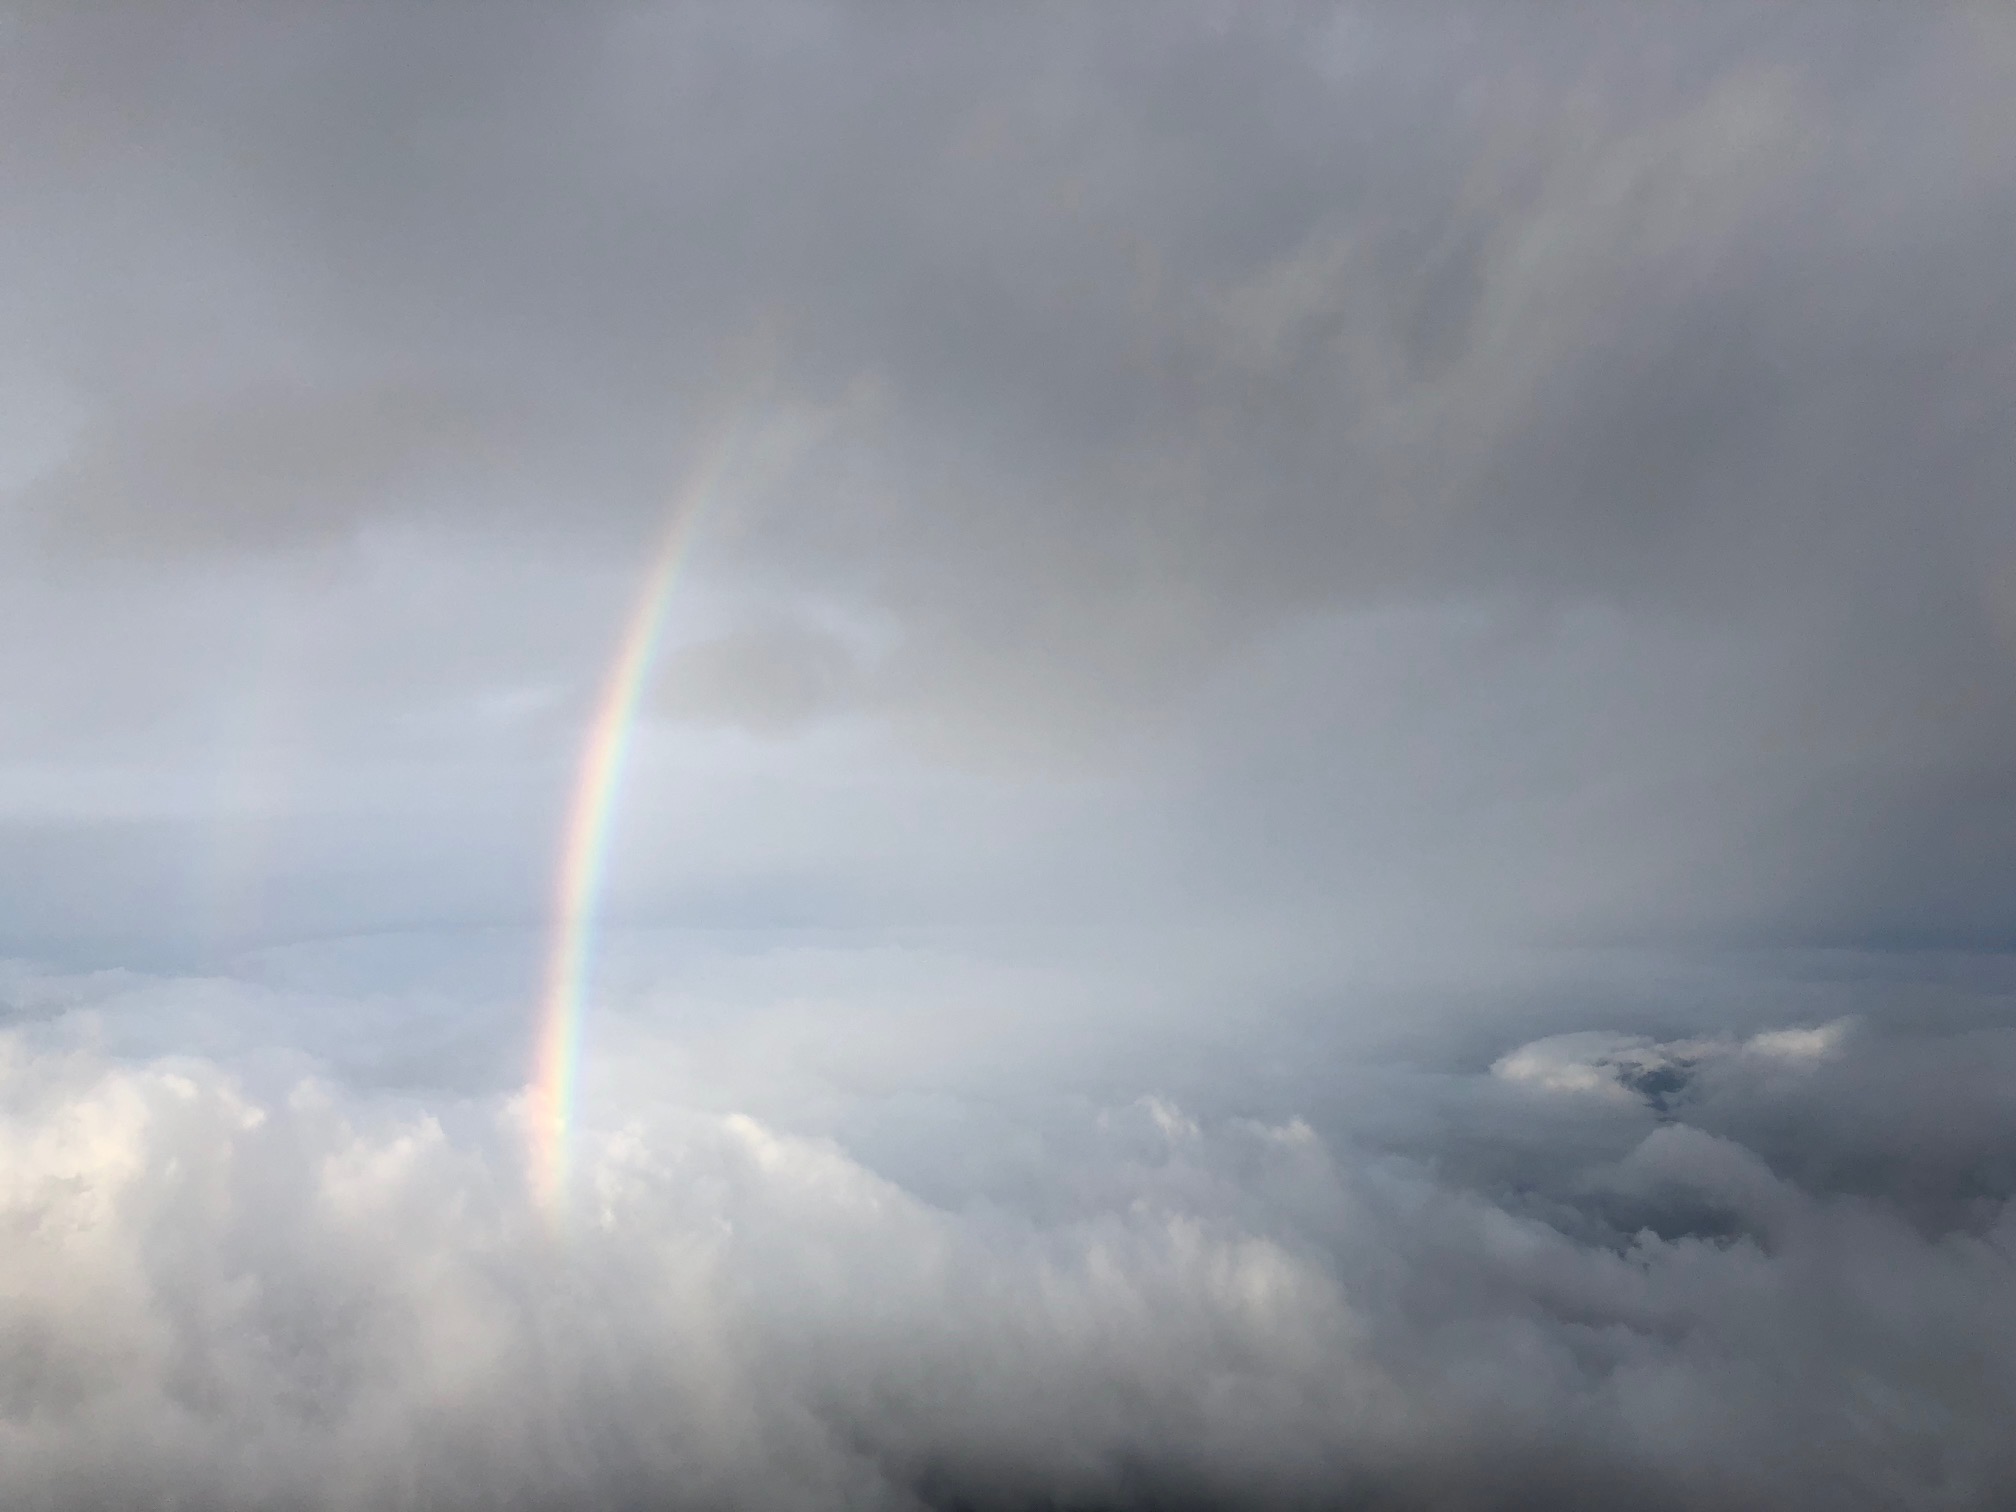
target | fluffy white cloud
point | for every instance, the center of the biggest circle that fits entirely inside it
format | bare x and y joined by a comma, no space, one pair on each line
1626,1067
213,1298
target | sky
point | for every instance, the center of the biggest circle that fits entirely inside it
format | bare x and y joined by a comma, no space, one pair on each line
1320,811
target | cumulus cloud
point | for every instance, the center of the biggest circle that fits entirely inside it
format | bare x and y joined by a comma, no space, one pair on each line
1624,1066
312,1298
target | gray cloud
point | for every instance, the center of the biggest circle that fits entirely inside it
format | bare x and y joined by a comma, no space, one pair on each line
1289,842
766,678
251,467
1166,336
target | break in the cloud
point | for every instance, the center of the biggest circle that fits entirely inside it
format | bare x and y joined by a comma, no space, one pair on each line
1286,845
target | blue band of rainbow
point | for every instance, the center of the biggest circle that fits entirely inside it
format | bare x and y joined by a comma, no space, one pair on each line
585,839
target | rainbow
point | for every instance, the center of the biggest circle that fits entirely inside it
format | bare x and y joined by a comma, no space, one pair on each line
584,848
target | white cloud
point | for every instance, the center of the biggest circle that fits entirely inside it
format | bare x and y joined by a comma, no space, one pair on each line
319,1299
1799,1044
1627,1068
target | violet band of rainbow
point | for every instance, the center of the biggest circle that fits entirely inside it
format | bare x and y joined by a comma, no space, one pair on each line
585,840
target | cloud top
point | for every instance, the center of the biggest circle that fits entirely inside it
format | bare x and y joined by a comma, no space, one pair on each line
310,1298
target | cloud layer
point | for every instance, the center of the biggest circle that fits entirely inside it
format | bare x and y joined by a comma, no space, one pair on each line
225,1300
1629,381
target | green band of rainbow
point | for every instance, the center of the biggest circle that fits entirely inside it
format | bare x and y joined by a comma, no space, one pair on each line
585,842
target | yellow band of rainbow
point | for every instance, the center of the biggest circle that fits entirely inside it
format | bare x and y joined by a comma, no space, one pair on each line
585,840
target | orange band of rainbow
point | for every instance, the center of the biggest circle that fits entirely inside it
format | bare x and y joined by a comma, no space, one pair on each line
585,841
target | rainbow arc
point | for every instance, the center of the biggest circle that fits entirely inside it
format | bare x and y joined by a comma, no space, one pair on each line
585,841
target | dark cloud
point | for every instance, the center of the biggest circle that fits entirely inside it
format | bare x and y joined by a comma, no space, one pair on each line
251,468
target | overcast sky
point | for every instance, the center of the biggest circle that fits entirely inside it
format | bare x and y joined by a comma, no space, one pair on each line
1326,817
